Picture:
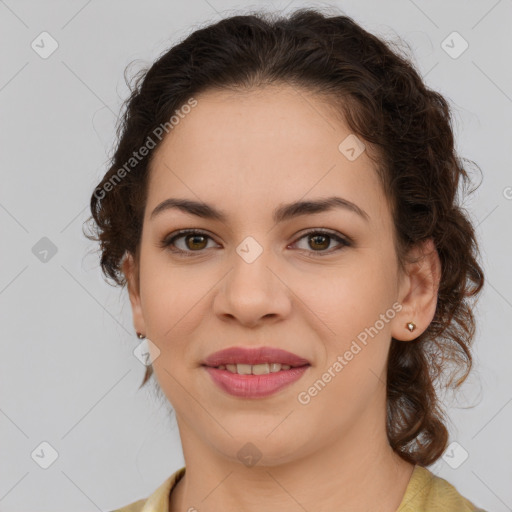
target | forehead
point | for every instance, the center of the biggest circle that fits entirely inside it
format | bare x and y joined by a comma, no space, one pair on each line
254,150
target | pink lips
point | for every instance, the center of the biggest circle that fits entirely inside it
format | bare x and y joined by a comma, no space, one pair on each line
254,386
256,355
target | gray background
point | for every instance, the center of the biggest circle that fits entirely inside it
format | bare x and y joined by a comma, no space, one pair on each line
68,375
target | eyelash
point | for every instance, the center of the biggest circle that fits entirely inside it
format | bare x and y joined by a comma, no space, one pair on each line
168,242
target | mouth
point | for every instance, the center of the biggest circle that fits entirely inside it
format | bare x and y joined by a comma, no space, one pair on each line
256,369
256,372
259,360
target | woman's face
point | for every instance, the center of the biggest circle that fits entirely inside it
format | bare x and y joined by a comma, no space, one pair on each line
252,280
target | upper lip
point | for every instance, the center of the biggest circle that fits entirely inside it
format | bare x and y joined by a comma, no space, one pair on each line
258,355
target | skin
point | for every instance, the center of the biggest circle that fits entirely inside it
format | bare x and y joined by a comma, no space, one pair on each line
247,153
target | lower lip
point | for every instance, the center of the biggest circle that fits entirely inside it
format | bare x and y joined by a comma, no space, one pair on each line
255,386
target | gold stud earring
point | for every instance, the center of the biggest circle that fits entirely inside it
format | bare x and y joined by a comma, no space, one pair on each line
140,336
411,326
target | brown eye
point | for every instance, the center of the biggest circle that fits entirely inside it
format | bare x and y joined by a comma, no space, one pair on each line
194,241
318,241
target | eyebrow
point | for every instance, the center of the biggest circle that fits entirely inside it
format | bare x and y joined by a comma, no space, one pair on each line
281,213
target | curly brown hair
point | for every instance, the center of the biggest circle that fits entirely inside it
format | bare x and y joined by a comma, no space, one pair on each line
379,94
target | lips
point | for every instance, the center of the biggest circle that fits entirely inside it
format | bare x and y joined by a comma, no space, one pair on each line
253,356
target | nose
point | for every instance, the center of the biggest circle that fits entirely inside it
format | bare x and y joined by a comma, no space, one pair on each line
253,292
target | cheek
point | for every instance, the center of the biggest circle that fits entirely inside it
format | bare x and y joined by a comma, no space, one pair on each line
172,294
351,296
353,310
358,308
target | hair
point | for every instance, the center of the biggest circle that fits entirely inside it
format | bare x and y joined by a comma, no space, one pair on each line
383,100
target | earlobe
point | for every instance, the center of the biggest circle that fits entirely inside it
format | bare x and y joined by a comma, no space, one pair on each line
133,286
418,292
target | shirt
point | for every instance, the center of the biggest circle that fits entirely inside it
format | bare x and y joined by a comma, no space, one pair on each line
425,492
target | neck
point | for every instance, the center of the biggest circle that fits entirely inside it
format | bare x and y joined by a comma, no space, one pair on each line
355,470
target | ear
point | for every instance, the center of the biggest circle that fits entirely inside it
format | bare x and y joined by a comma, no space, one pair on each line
418,289
131,272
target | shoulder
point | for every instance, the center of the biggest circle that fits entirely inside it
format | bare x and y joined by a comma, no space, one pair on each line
427,492
158,501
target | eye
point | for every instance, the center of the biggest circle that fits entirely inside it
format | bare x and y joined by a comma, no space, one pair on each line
320,240
196,241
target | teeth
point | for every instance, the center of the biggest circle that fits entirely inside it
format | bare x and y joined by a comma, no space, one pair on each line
244,369
255,369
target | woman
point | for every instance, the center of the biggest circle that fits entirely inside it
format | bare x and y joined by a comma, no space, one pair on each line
282,206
